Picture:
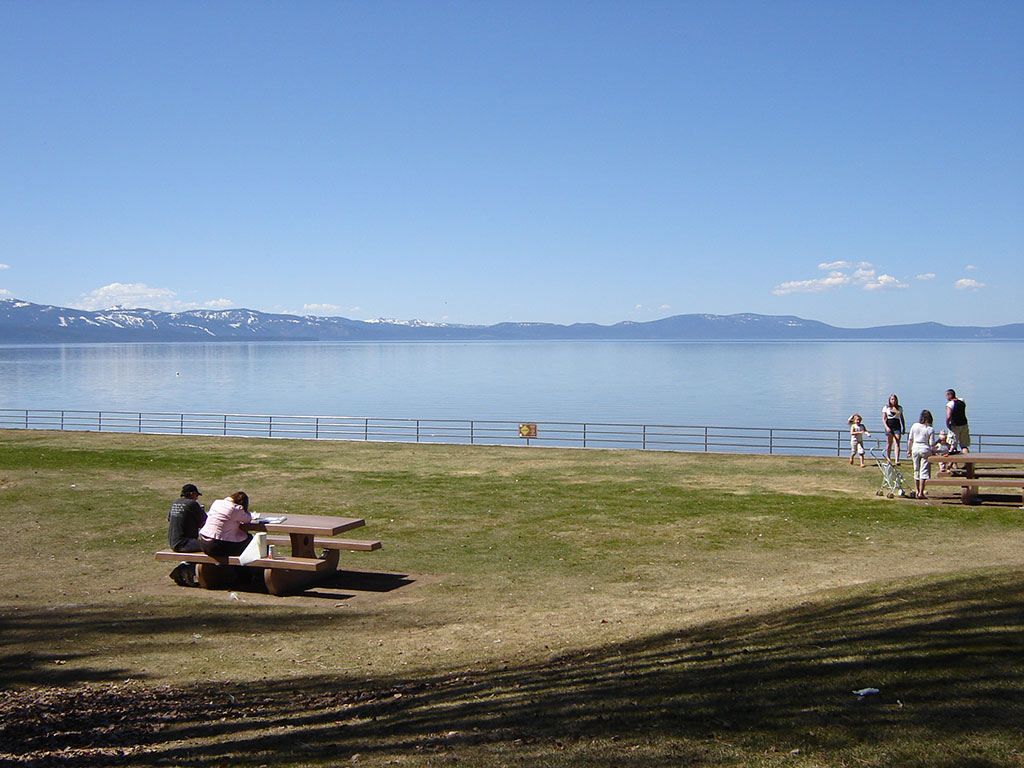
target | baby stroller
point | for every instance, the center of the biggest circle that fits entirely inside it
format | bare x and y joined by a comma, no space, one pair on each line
892,479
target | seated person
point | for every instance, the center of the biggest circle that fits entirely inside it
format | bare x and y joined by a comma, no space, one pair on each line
222,535
184,519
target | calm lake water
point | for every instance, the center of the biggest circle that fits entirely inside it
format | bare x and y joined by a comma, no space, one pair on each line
748,384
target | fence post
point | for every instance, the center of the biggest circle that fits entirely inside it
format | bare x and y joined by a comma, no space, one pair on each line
225,429
316,428
771,441
366,429
140,422
705,439
270,426
99,421
417,430
472,435
644,440
584,435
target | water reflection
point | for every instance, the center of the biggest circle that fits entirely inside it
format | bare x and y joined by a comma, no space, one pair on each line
804,385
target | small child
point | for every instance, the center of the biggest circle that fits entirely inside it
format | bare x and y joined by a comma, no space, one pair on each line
946,446
857,434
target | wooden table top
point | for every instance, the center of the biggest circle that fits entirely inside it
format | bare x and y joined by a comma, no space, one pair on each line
311,524
977,458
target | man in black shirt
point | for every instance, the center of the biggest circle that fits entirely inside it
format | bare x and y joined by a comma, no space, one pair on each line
956,419
184,520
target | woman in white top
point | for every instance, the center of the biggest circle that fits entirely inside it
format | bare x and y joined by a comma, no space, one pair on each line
921,445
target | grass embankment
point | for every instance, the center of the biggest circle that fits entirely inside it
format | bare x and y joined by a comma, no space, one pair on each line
530,606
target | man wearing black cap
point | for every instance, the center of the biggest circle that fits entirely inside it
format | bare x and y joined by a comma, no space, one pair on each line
184,519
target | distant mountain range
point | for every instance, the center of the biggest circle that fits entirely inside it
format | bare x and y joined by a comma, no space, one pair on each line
24,322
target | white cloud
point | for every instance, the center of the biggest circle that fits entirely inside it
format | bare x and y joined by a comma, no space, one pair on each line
646,309
884,283
5,266
215,304
840,276
816,285
970,267
966,284
320,309
831,266
126,295
926,276
136,295
4,292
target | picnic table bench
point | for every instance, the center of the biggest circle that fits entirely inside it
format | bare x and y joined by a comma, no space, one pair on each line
283,574
980,470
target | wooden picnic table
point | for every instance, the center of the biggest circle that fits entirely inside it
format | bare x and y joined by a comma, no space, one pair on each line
303,529
974,470
283,574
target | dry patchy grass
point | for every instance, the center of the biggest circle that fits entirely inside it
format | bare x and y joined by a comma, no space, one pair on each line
513,584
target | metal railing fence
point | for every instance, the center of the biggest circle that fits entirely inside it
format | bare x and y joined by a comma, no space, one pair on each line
663,437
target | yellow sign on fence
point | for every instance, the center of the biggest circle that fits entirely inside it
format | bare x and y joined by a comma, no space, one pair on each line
527,430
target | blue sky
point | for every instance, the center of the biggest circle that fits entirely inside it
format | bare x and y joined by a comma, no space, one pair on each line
857,163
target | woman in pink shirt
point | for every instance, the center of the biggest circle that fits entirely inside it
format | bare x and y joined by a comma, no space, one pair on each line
222,534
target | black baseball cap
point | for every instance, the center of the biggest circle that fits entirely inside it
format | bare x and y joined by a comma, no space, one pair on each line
189,489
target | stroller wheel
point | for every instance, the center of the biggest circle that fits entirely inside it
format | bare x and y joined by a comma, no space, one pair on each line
888,495
878,493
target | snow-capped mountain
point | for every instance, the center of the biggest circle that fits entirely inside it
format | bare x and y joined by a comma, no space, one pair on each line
25,322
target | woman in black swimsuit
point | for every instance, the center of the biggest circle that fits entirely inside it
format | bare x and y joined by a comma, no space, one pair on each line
895,426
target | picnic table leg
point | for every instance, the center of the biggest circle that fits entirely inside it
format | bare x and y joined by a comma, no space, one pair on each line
969,493
215,576
281,581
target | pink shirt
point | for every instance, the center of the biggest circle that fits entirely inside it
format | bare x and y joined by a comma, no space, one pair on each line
223,521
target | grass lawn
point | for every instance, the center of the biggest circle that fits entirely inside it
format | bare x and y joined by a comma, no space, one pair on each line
530,607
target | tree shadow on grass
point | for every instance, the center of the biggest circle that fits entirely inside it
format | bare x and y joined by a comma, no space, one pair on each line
947,657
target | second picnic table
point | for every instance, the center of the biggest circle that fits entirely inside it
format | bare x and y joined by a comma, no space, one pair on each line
974,470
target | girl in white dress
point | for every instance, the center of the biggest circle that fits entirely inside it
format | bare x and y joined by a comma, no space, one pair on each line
857,434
